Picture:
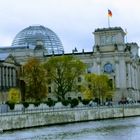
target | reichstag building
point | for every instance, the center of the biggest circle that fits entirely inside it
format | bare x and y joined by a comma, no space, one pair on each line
110,55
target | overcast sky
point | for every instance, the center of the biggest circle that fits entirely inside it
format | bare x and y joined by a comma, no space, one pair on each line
72,20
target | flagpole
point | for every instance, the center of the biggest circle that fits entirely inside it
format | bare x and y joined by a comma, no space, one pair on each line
126,35
108,22
109,15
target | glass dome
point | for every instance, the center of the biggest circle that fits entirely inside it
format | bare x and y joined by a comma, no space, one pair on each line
30,35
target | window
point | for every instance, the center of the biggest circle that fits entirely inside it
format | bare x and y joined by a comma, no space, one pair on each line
49,89
110,82
88,71
89,86
108,39
113,39
79,79
80,98
102,39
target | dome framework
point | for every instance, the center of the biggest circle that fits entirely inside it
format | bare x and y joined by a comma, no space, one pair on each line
30,35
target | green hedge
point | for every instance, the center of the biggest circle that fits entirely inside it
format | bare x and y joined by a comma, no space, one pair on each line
50,103
25,104
85,101
65,102
11,105
36,104
74,102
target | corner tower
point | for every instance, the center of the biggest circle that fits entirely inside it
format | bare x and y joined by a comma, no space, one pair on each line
105,38
118,60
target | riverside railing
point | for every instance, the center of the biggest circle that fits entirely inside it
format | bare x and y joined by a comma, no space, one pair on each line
5,110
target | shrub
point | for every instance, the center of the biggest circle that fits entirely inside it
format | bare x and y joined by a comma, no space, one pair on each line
74,102
14,95
36,104
65,102
85,101
25,104
11,105
50,103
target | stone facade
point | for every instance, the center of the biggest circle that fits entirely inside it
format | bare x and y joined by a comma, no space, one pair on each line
119,60
110,55
8,76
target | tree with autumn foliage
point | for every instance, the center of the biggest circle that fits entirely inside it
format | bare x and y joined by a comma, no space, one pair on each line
14,95
99,86
35,80
64,71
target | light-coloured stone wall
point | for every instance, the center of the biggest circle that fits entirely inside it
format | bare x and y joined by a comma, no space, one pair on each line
32,119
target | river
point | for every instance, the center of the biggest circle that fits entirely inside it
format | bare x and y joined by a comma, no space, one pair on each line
114,129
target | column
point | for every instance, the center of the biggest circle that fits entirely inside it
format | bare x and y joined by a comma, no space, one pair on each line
138,83
132,76
6,76
137,86
129,75
3,78
14,77
98,68
117,75
10,76
122,69
98,62
95,67
0,78
136,78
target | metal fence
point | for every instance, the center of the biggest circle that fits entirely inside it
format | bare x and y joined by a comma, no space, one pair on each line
5,110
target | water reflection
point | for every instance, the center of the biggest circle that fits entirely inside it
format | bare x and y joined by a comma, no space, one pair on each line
123,129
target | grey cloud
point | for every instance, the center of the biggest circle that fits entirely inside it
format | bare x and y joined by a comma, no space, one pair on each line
73,20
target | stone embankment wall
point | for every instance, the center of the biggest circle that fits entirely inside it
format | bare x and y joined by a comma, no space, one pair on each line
42,118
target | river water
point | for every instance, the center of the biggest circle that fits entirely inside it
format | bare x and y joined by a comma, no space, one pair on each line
115,129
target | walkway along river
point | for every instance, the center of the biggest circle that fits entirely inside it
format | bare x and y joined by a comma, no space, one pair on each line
114,129
38,117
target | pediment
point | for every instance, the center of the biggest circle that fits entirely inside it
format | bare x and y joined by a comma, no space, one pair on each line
10,59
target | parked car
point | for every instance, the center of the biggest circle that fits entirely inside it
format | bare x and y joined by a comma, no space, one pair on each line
109,103
123,101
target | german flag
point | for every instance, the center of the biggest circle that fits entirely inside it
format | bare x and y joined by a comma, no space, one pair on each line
109,13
